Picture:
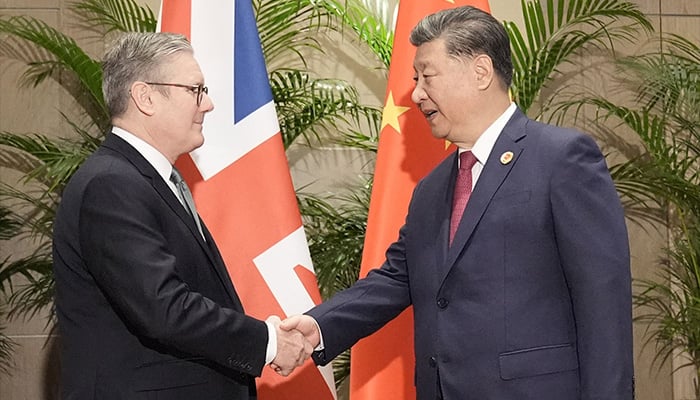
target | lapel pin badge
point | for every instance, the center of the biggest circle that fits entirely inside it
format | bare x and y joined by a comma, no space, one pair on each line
506,157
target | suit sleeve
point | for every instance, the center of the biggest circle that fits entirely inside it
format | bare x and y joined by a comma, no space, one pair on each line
592,240
132,262
365,307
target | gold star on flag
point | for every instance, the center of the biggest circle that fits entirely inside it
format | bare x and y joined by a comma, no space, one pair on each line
391,113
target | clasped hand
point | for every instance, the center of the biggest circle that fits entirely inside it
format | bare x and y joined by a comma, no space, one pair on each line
297,337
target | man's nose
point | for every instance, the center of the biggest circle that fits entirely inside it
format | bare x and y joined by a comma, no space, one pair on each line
418,94
207,103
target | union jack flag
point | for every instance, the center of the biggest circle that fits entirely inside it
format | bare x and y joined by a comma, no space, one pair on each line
241,182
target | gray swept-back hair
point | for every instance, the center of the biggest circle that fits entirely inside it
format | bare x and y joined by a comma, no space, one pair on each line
136,57
468,31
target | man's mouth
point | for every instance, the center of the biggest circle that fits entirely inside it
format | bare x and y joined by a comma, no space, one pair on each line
429,114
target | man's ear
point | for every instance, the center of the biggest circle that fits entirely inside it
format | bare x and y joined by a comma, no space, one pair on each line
483,70
141,93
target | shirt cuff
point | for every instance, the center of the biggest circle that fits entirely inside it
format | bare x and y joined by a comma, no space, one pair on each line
320,346
271,351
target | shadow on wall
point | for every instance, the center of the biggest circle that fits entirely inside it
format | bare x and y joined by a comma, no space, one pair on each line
50,370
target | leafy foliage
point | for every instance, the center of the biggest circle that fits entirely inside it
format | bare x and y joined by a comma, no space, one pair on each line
60,58
9,227
670,304
336,230
662,175
308,107
557,32
6,348
668,123
105,16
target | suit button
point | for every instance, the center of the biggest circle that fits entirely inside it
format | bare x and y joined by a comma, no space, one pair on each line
442,302
432,362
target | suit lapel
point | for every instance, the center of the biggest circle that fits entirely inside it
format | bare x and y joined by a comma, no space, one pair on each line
491,178
117,144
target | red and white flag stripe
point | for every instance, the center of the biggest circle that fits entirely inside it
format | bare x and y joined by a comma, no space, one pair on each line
241,182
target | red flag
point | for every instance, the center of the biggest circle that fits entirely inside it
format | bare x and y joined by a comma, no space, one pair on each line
240,179
382,365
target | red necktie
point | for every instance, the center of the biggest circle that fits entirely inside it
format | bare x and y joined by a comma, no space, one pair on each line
463,189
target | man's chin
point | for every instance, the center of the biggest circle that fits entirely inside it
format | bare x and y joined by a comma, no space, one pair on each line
196,145
437,134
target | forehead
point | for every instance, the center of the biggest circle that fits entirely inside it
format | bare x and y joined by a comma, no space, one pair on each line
430,53
182,65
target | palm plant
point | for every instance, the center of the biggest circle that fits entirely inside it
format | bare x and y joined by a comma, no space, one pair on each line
307,105
670,305
666,119
556,33
9,227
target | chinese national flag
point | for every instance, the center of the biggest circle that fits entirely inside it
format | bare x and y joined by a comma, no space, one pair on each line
240,179
382,365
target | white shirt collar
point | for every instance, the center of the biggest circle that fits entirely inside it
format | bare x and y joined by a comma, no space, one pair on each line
483,146
150,153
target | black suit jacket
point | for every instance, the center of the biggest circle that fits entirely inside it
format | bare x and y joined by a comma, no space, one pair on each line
145,306
531,302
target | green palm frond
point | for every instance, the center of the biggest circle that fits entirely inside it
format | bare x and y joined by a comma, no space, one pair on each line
565,29
335,227
666,119
307,106
56,159
105,16
670,305
289,27
79,74
666,171
34,291
682,48
35,210
6,346
9,223
357,139
372,21
671,81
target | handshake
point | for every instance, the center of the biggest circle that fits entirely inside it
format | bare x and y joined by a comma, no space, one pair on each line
297,337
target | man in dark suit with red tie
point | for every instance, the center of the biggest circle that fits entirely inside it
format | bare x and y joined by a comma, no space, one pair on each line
526,295
146,309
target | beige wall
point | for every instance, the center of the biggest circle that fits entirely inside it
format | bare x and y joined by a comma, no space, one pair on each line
24,110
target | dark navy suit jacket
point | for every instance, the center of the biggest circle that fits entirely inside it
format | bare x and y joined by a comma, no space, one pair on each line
531,302
146,309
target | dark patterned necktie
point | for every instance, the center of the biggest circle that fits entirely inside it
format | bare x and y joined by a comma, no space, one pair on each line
463,189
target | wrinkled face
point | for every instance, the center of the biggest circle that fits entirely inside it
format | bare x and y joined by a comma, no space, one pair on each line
446,90
178,118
